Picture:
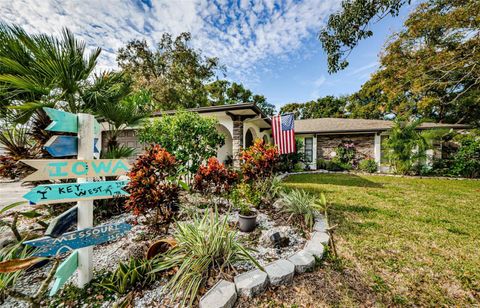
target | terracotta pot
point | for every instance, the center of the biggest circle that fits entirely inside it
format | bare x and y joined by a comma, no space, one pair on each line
160,246
247,223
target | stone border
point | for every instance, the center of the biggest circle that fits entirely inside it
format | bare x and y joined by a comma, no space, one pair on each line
280,272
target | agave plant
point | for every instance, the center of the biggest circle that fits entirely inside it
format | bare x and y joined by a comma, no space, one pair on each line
204,246
298,203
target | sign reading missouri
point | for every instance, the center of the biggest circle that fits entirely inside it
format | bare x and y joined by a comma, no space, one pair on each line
56,169
47,246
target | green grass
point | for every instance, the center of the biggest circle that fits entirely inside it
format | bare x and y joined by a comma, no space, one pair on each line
413,241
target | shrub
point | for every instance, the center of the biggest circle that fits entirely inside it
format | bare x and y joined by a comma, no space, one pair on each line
368,165
206,247
151,187
345,153
292,161
466,162
259,161
246,193
214,178
332,165
8,167
302,205
129,275
187,135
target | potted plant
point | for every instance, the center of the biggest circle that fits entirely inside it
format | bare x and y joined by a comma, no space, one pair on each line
247,217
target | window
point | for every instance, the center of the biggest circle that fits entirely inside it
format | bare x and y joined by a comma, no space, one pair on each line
309,149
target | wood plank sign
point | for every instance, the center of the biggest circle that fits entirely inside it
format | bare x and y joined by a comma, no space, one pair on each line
54,169
64,271
62,222
61,193
61,146
67,122
47,246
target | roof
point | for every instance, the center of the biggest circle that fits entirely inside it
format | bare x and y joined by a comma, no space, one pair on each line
235,109
339,125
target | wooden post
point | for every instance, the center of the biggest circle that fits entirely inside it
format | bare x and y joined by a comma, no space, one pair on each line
85,208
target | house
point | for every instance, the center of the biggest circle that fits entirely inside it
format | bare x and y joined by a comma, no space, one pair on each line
242,123
321,136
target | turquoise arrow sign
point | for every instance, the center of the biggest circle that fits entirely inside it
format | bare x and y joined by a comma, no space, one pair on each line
61,146
64,271
61,121
47,246
67,192
67,122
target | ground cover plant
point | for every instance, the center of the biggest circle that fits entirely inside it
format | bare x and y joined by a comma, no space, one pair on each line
401,241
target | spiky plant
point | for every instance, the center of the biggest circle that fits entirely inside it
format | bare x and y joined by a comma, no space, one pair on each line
301,205
205,247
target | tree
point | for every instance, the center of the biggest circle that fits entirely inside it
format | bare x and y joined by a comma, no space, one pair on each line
350,25
324,107
191,138
174,72
222,92
431,68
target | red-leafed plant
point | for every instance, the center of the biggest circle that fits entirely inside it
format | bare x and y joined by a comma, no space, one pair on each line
152,193
259,161
214,178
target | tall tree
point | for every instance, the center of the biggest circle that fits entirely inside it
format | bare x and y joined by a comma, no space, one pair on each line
174,72
346,28
431,69
324,107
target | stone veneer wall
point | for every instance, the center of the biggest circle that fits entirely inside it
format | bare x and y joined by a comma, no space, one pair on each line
364,144
237,140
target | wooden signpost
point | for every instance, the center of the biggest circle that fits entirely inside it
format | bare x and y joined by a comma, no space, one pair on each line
57,169
48,246
61,193
86,146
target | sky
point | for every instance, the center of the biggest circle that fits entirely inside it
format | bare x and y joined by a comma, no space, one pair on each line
269,46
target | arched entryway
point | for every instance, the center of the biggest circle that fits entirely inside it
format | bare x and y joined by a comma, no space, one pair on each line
249,138
224,154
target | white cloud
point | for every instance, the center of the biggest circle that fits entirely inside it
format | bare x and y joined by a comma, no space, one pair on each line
246,36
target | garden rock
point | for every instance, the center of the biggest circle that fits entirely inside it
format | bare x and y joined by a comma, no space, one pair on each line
251,283
280,272
222,295
321,224
321,237
314,247
278,204
303,261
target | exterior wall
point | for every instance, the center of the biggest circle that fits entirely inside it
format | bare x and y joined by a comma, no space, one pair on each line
127,137
364,144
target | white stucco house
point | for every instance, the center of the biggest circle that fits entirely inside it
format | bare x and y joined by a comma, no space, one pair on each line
242,123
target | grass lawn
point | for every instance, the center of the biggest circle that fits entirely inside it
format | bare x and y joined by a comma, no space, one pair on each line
401,241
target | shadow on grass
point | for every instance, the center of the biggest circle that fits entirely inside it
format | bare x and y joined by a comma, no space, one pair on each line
334,179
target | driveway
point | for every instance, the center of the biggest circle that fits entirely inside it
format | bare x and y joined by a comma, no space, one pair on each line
12,192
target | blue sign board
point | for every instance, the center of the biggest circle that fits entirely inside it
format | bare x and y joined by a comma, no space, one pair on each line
47,246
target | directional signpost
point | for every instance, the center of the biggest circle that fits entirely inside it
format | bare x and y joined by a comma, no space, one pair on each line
85,145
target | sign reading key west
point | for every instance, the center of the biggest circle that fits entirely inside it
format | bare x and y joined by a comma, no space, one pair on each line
61,193
56,169
47,246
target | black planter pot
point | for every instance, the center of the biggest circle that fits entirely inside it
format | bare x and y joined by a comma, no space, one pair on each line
247,223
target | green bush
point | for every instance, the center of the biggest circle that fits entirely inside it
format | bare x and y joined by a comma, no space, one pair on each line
333,165
191,138
466,162
303,206
368,165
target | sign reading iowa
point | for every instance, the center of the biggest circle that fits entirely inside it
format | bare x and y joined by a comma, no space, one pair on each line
54,169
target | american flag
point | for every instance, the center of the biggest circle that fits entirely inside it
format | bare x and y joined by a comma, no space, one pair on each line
283,133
